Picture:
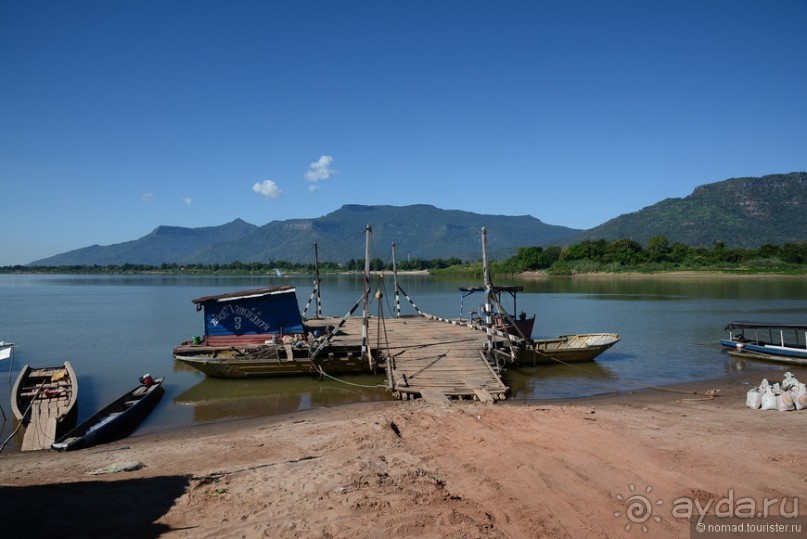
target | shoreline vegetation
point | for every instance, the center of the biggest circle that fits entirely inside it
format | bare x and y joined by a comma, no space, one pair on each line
588,258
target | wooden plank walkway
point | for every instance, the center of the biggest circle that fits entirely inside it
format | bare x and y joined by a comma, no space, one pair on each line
427,357
41,430
436,360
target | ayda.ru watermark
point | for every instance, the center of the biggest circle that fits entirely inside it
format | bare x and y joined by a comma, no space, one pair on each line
732,507
640,510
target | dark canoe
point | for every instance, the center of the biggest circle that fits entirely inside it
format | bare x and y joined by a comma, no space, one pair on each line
116,420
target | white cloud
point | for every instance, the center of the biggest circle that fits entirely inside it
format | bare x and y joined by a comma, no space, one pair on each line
267,189
313,188
320,169
187,200
147,197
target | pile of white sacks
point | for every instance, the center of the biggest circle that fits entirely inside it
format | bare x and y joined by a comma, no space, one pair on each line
789,395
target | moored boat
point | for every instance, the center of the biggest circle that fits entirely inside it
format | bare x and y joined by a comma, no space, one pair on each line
45,401
518,330
566,348
780,342
115,420
260,332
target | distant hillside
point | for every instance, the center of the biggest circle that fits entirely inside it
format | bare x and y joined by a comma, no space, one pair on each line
163,244
419,231
741,212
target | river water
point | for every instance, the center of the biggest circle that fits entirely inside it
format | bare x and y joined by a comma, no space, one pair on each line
115,328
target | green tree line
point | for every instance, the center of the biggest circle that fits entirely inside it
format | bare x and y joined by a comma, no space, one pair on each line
585,257
658,255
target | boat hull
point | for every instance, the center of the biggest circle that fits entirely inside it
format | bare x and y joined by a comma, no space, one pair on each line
567,349
748,354
779,351
31,378
266,360
230,367
45,401
116,420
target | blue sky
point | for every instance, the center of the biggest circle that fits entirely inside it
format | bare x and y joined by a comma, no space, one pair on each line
120,116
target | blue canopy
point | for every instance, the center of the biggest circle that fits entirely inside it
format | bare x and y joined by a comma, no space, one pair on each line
252,312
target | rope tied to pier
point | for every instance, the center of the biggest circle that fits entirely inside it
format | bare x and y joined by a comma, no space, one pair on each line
321,372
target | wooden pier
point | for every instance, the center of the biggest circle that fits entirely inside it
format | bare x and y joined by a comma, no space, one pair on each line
426,356
431,358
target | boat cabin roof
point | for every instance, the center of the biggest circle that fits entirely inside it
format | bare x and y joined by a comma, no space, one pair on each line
744,324
244,294
495,289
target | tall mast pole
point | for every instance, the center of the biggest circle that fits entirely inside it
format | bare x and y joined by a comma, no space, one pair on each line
366,313
316,282
395,280
488,290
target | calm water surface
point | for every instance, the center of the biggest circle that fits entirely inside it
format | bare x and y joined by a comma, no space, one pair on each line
116,328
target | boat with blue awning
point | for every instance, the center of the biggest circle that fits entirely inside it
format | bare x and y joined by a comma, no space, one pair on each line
782,342
260,332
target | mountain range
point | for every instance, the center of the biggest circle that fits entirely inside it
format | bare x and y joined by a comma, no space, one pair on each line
741,212
419,231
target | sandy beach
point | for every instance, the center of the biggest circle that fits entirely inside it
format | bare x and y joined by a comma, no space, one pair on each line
413,469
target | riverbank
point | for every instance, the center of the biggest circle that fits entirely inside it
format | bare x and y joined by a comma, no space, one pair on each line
475,273
661,275
397,469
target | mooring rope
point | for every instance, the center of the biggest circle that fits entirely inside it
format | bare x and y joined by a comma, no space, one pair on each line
30,404
335,379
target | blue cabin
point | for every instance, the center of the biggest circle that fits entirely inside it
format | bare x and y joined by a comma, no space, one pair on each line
251,316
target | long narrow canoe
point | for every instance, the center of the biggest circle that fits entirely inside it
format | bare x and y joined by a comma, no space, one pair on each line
116,420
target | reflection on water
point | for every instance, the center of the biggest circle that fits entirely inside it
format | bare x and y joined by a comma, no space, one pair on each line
215,398
742,364
560,380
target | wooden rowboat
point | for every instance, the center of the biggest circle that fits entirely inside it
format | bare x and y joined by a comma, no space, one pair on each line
116,420
44,401
566,349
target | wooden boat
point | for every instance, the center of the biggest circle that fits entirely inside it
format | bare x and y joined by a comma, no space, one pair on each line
567,348
259,333
115,420
44,400
783,343
562,349
266,360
